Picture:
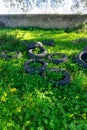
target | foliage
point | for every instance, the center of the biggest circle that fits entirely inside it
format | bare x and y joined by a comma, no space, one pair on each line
55,76
27,5
78,6
35,65
31,102
36,50
78,28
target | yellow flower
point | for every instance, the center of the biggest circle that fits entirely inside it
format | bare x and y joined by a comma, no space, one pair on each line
27,122
13,90
3,98
71,115
5,94
77,97
83,116
18,109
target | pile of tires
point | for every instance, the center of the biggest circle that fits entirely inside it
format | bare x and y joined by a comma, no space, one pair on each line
36,58
43,69
56,58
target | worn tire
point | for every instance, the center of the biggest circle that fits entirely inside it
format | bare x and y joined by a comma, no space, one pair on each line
85,49
34,45
48,42
32,70
57,61
65,81
43,53
5,55
80,59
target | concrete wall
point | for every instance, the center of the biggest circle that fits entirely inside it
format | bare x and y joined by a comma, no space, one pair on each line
42,20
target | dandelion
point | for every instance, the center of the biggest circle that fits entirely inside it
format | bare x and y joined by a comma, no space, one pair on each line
13,90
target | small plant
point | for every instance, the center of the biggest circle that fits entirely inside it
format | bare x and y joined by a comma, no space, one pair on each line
57,56
37,50
35,65
11,53
55,76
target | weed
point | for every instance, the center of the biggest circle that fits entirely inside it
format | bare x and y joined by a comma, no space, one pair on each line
31,102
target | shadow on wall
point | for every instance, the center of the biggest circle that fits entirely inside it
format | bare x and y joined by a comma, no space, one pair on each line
2,25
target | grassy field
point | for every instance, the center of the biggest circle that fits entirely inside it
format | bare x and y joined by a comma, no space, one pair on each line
29,102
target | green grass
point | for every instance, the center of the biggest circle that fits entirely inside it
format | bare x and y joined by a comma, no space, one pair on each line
55,76
36,51
35,65
31,102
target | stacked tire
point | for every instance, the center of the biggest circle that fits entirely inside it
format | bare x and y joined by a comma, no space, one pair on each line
39,58
36,58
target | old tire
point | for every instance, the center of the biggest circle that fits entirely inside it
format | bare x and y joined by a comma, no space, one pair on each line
31,70
65,81
48,42
81,59
55,60
6,56
42,54
34,45
85,49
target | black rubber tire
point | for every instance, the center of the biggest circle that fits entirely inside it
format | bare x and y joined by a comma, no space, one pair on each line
48,42
85,49
64,81
6,56
34,45
57,61
41,55
80,57
31,70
